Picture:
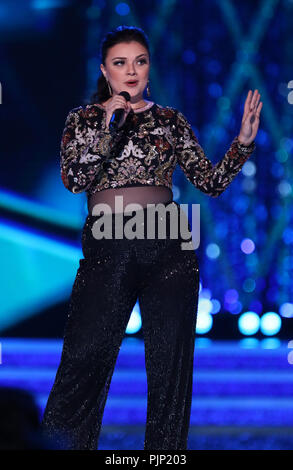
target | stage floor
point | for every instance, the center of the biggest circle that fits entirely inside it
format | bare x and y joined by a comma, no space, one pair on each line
242,391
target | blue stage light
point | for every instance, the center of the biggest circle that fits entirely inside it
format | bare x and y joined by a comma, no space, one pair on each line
134,323
205,293
286,310
235,308
204,318
231,296
224,103
249,185
249,169
249,285
47,4
287,143
281,155
247,246
249,343
204,322
270,323
248,323
277,169
189,56
284,188
221,229
288,236
216,306
213,251
215,90
122,9
270,343
176,192
262,137
256,306
204,305
261,212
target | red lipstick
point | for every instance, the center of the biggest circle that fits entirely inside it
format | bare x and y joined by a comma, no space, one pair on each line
132,82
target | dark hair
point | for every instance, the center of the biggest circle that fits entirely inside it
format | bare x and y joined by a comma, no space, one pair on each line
20,427
120,34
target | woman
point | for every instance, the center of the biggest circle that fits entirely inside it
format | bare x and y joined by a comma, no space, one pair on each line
135,163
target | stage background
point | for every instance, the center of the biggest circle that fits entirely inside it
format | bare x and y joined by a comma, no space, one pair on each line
205,58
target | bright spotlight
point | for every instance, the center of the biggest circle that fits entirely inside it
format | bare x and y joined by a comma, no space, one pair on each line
204,322
270,323
248,323
134,323
204,305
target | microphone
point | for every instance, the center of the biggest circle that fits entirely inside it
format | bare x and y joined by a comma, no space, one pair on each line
117,115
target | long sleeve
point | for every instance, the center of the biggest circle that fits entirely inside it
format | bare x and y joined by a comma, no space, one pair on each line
83,150
199,170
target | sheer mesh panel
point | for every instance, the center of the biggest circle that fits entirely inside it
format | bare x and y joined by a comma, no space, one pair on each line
142,195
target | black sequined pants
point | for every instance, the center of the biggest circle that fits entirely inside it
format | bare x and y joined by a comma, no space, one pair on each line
113,274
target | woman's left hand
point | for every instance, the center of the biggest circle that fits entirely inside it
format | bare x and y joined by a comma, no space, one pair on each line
250,119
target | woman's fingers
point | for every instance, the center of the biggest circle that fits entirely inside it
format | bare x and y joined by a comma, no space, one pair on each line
255,99
252,103
247,102
258,110
119,101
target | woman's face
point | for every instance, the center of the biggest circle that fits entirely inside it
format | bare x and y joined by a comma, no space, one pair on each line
127,62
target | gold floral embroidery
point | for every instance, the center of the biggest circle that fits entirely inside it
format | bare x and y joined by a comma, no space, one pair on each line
144,151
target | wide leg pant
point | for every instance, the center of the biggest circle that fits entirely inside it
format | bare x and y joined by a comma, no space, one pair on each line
113,274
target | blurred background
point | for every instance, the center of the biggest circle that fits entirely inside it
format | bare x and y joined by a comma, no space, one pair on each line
205,58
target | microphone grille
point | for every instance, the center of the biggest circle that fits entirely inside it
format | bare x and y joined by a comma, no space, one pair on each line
125,94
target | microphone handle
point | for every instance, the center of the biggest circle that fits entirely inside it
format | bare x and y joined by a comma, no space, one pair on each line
115,119
118,113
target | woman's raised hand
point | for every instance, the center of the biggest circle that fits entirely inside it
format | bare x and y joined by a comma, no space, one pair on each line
250,119
117,102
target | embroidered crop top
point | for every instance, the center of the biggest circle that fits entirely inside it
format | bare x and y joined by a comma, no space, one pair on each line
143,152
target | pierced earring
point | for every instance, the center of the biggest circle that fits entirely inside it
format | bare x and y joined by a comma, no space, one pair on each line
148,89
110,89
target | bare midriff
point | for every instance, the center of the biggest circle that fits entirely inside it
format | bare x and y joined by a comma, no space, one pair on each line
141,195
